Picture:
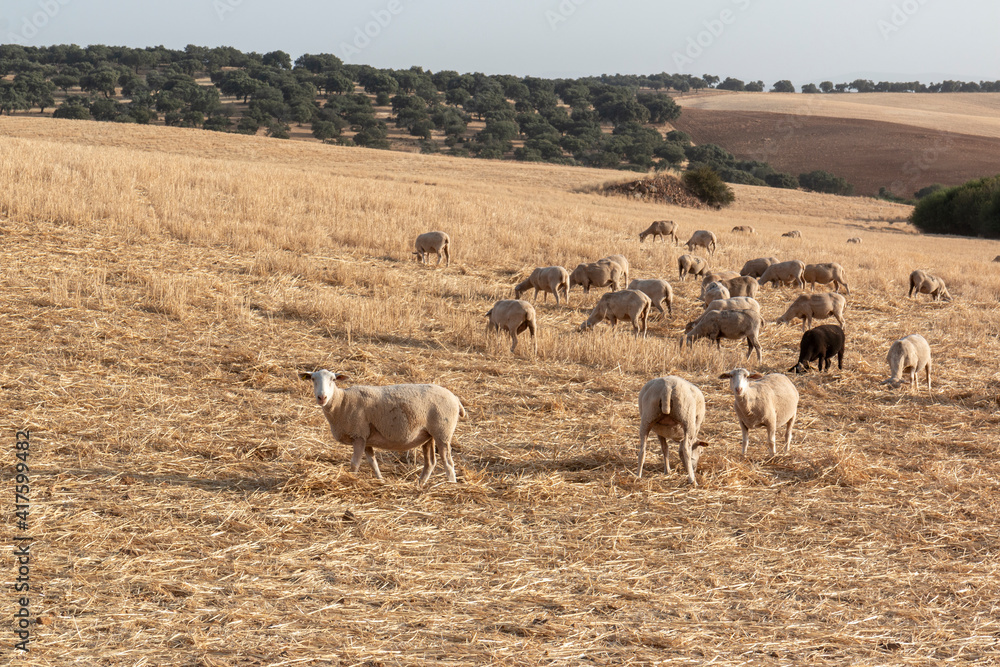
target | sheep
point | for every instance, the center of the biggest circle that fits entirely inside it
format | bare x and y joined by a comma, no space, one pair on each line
794,234
620,261
396,417
924,283
756,267
789,273
691,265
714,291
735,303
854,239
513,315
908,356
820,344
830,272
818,306
433,242
744,229
770,401
997,258
730,324
718,276
658,291
661,228
704,239
596,275
546,279
742,286
627,304
672,408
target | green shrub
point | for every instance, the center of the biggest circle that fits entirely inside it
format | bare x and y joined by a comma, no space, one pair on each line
780,179
821,181
707,186
730,175
970,209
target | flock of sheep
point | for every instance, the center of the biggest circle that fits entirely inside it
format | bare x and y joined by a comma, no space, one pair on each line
403,417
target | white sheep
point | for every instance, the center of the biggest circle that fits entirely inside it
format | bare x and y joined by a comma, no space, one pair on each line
815,306
735,303
908,356
631,305
397,417
514,316
438,243
661,228
702,238
691,265
672,408
547,279
924,283
794,234
729,324
824,274
785,273
713,291
744,229
718,276
742,286
596,274
620,261
854,239
756,267
658,291
770,401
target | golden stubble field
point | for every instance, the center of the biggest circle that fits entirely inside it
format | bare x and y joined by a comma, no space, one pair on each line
161,287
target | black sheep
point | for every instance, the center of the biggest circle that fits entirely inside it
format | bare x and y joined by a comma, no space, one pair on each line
820,343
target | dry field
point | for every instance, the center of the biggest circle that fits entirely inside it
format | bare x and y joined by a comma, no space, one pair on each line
162,286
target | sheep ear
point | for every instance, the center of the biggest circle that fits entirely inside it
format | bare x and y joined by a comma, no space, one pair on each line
726,376
341,375
303,375
755,376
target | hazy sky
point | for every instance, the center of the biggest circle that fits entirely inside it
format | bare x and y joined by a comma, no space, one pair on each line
802,40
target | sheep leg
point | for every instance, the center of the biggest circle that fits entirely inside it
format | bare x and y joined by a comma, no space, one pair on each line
444,449
359,453
788,434
429,462
447,256
685,452
840,359
772,432
665,448
927,370
372,461
643,434
513,337
746,437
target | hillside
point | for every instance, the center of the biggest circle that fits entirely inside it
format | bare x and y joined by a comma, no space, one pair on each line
163,285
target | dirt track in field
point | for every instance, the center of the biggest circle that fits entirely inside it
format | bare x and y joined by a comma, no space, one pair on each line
869,154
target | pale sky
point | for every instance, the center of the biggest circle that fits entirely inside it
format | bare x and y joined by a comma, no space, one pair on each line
801,40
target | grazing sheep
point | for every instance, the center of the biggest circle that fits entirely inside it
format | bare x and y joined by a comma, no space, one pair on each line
794,234
597,274
786,273
661,228
396,417
997,258
854,239
658,291
714,291
729,324
742,286
627,304
513,315
744,229
620,261
925,283
735,303
546,279
718,276
818,306
908,356
672,408
756,267
691,265
770,401
704,239
438,243
824,274
820,344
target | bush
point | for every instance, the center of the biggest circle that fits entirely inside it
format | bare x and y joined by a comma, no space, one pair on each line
706,185
929,190
217,123
780,179
740,177
970,209
821,181
74,108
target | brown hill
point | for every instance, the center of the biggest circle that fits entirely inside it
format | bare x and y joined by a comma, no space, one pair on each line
869,154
